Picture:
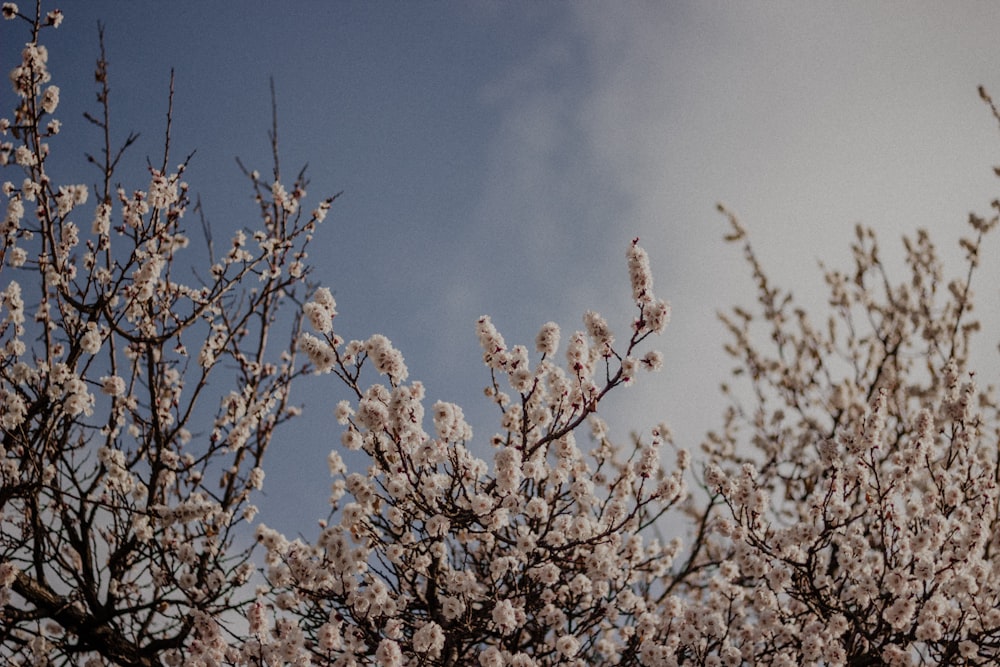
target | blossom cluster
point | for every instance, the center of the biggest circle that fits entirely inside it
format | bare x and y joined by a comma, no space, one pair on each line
436,554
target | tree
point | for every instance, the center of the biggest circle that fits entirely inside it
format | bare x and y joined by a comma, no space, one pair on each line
120,526
844,514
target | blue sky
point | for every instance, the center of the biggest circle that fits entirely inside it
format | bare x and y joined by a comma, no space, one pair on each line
498,157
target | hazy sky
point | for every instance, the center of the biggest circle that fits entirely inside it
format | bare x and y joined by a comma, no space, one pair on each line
497,157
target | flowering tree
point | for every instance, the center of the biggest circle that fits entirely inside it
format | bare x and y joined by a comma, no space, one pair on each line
858,485
119,527
844,514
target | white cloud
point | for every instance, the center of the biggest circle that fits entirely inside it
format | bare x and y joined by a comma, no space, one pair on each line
637,117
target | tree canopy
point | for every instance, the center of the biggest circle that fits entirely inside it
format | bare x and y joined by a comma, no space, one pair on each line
844,512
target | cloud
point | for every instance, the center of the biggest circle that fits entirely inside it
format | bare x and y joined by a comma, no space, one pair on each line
636,118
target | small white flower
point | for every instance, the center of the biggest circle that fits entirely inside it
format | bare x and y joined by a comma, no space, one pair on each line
50,99
112,385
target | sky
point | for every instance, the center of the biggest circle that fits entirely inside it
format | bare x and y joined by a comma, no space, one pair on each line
498,157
